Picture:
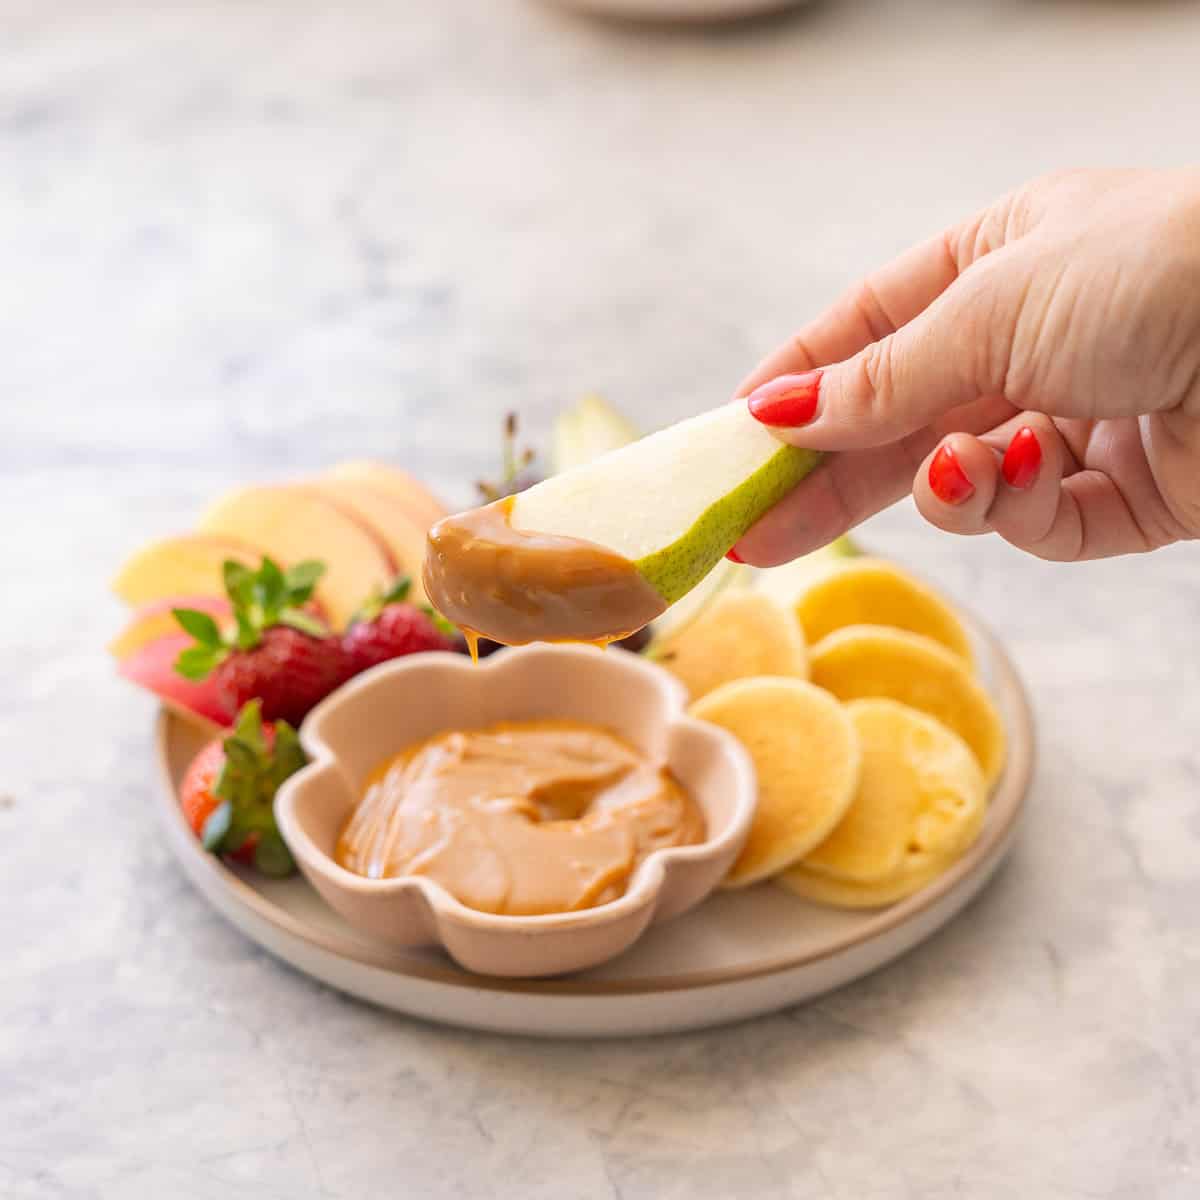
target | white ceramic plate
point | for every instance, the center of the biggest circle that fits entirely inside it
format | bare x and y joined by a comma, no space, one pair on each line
739,954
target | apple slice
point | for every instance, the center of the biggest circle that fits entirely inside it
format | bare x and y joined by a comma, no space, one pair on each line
292,524
153,621
387,518
187,565
420,503
152,666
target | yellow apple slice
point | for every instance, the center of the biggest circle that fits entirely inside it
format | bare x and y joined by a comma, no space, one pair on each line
806,756
740,634
292,524
407,490
864,661
387,518
188,565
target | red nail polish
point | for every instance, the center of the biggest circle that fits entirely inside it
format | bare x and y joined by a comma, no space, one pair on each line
947,480
733,556
1022,459
789,400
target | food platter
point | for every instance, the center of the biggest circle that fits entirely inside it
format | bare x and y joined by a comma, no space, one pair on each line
738,955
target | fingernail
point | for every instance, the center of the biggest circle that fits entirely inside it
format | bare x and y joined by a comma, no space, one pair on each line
733,556
1022,459
788,401
947,480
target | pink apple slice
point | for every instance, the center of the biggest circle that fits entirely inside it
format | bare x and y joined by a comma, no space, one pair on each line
152,666
157,620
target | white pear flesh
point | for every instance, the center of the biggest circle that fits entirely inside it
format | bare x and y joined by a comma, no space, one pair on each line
672,503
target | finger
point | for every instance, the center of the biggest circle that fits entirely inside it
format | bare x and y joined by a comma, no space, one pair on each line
872,309
1036,459
966,486
956,485
951,354
841,493
848,488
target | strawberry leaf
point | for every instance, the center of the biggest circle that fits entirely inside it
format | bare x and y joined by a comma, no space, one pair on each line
272,857
254,767
448,628
269,587
300,580
238,580
199,624
297,618
399,590
246,637
373,605
198,662
289,754
248,726
217,826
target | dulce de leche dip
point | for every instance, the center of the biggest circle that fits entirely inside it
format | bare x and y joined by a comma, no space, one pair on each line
521,818
515,586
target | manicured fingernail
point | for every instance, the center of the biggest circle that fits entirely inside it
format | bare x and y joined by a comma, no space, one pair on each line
787,401
1022,460
947,480
733,556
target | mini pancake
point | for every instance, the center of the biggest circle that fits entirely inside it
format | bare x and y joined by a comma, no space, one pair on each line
870,591
920,800
806,754
739,635
864,661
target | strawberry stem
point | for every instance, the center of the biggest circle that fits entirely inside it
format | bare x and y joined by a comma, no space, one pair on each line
259,600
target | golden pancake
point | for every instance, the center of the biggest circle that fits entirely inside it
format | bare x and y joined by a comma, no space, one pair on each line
739,635
870,591
863,661
920,800
806,754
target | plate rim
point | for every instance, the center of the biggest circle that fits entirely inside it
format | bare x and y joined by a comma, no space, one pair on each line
1008,800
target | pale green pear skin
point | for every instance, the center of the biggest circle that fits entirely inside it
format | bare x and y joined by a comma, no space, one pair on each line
675,569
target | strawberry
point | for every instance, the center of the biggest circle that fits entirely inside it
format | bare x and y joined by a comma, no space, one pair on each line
289,671
276,651
228,791
388,627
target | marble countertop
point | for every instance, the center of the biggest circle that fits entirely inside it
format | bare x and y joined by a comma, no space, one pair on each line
246,239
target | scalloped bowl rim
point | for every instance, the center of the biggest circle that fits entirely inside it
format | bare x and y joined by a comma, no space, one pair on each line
648,877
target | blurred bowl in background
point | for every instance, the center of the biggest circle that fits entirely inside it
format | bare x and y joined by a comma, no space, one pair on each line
679,10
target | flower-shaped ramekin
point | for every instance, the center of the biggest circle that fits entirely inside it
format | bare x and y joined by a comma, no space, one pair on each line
401,702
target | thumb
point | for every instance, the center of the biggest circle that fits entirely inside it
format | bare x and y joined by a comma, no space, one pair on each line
953,353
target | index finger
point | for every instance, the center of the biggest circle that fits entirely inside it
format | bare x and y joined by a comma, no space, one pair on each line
874,308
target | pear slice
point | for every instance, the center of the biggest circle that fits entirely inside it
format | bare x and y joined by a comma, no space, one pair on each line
672,503
587,430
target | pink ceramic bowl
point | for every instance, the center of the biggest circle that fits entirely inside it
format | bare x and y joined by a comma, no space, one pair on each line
401,702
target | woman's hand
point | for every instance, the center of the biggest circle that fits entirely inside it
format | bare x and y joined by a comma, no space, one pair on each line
1034,371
